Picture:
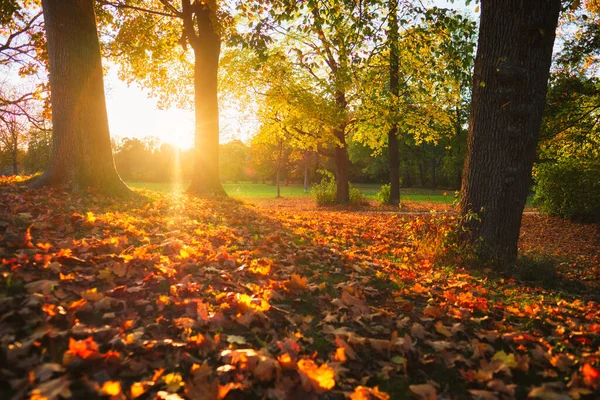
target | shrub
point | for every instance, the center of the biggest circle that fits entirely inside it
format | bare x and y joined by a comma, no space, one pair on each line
355,195
383,196
569,190
325,192
441,238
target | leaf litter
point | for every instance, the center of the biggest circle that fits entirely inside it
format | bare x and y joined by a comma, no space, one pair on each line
178,297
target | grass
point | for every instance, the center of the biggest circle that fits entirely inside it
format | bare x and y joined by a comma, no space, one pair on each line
260,190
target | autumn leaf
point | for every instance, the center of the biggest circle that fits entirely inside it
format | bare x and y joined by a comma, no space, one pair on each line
425,391
507,359
591,375
111,388
319,379
365,393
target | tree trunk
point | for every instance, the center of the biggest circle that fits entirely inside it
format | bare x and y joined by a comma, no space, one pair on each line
340,154
341,168
458,149
421,175
81,148
393,148
512,65
207,48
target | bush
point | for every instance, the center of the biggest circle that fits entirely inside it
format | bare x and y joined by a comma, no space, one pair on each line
569,190
383,196
355,195
326,191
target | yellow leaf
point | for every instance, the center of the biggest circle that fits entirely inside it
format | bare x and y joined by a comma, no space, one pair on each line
173,382
111,388
137,389
507,359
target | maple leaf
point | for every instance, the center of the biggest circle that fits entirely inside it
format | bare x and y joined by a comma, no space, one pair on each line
319,379
52,390
83,349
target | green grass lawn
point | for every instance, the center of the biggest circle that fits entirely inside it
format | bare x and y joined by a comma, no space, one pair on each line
260,190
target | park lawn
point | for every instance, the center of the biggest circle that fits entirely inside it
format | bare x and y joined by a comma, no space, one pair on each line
248,191
171,296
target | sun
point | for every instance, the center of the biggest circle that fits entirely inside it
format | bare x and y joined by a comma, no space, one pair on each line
179,137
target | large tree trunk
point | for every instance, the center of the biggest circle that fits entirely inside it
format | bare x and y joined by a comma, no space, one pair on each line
81,149
393,147
340,155
207,48
514,54
342,161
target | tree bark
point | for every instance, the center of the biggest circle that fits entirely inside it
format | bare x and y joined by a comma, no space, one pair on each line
512,65
393,147
207,49
341,159
81,150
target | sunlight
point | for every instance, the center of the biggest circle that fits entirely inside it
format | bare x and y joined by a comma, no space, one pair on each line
176,188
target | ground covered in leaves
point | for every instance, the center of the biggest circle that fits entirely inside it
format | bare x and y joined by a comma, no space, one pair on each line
175,297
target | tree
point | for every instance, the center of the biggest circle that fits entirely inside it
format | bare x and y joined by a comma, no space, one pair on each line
408,106
12,134
22,54
150,33
393,147
330,40
512,66
81,156
39,150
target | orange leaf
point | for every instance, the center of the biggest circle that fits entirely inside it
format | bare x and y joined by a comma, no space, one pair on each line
590,375
319,379
365,393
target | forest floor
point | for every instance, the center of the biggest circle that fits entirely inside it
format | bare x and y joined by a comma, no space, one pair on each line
170,297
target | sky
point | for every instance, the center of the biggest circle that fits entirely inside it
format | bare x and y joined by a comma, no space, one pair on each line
132,113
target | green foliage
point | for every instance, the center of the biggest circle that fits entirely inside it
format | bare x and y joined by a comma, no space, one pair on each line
383,196
325,192
39,149
569,189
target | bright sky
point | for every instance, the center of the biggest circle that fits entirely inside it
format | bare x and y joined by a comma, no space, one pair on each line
131,113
